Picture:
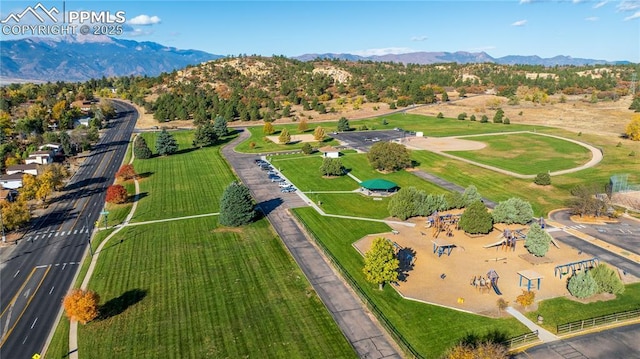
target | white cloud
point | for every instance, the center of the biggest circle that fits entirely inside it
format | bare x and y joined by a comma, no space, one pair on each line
600,4
384,51
138,32
144,20
577,1
634,16
519,23
592,18
628,5
419,38
526,1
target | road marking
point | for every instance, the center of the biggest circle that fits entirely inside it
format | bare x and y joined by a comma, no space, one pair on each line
25,339
64,265
50,234
51,291
42,266
56,234
34,238
18,292
34,323
16,273
75,232
62,234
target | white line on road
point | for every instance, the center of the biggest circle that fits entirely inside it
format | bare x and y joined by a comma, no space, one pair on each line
51,291
36,237
75,232
42,266
64,265
56,234
62,234
34,323
50,234
16,273
25,339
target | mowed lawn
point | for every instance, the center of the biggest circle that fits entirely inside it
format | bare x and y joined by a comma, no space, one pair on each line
304,172
262,144
527,153
430,329
187,183
182,289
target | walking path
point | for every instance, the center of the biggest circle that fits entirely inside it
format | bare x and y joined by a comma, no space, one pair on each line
358,326
448,185
543,334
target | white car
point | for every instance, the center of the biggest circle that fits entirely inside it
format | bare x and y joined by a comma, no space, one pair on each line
284,184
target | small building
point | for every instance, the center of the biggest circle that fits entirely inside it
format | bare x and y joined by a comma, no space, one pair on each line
84,121
40,158
12,181
329,152
31,169
379,185
53,146
8,195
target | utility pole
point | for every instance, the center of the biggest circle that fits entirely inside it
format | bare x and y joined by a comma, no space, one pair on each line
4,238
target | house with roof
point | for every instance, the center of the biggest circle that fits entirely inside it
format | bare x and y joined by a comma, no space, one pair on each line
329,152
30,168
11,181
40,158
55,147
8,195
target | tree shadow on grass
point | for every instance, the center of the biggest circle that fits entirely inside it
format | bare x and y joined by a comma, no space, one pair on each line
406,256
494,336
144,175
119,304
136,197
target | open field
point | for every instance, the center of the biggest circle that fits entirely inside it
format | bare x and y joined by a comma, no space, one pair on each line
185,289
187,183
527,153
429,329
263,144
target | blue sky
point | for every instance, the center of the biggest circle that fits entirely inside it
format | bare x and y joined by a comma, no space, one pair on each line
608,30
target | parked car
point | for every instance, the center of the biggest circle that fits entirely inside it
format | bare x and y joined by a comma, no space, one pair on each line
276,179
284,184
288,189
375,139
272,173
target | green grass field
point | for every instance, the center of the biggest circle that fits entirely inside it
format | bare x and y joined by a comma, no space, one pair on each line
430,329
352,204
304,172
562,310
263,145
527,153
187,183
181,289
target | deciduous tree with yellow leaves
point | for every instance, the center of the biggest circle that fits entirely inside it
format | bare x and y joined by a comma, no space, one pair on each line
81,305
633,129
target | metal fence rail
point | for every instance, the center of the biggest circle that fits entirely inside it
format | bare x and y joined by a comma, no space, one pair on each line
522,339
584,324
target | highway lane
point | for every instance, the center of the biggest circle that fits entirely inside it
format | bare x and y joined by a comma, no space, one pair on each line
37,273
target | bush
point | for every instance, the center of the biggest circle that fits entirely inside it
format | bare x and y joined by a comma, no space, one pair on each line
526,298
513,210
405,203
307,149
484,119
440,115
126,172
116,194
332,167
538,240
506,121
486,350
472,118
462,116
476,219
542,179
607,279
582,285
236,206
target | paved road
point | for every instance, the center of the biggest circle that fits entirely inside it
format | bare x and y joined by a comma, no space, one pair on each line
36,273
362,140
603,254
623,342
366,337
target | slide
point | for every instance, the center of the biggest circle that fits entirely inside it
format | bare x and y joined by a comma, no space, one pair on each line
494,244
494,284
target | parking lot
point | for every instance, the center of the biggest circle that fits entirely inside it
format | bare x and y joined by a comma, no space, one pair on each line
363,140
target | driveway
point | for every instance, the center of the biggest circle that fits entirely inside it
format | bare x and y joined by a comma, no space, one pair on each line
363,332
363,140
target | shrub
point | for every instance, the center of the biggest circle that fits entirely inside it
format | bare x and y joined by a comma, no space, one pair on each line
440,115
607,279
513,210
506,121
476,219
126,172
538,240
307,149
470,195
472,118
252,145
486,350
405,203
462,116
484,119
384,122
526,298
542,179
116,194
582,285
332,167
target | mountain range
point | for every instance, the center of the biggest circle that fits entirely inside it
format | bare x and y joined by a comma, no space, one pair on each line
80,58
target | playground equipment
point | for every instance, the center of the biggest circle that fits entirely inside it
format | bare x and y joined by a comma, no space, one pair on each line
563,269
508,239
493,276
441,247
530,276
403,256
442,223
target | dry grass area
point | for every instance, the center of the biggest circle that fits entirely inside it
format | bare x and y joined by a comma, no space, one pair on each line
576,114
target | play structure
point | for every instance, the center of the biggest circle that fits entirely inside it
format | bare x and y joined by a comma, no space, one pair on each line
530,276
493,277
441,247
508,239
442,223
403,256
563,269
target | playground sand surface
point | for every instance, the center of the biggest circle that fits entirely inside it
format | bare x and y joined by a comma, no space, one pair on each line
468,259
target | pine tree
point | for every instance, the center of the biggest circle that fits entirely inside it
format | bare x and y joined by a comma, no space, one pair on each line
166,144
205,134
236,206
220,127
141,149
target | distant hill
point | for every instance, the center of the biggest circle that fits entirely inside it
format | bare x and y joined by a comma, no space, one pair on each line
81,58
462,57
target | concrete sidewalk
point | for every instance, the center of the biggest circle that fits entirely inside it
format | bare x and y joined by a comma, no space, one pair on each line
543,334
